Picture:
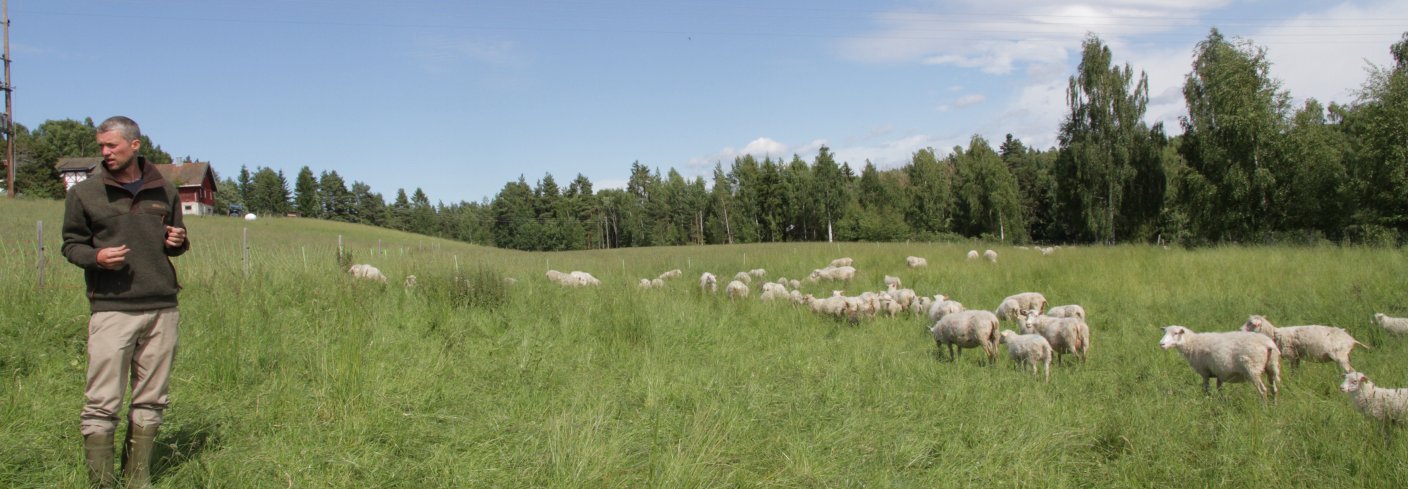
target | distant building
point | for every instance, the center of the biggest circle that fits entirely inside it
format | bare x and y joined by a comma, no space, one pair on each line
194,179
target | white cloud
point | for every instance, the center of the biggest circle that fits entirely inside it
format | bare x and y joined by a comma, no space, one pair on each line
760,148
1324,54
970,99
764,147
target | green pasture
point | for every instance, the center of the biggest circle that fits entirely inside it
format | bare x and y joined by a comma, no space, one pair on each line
292,374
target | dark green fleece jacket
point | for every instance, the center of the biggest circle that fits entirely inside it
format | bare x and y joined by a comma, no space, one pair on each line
99,213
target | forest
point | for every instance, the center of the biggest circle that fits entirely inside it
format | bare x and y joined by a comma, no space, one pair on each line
1246,166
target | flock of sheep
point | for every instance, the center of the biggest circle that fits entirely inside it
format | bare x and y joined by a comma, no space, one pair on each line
1045,333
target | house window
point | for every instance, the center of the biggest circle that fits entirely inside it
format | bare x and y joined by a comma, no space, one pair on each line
188,207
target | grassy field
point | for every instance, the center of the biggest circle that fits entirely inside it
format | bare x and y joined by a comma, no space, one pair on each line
294,375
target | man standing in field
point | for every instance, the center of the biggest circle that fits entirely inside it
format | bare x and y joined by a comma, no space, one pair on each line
122,226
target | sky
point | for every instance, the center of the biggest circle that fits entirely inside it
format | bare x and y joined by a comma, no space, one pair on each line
458,98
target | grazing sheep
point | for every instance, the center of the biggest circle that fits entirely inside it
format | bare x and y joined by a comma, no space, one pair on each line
798,298
943,307
1391,324
836,305
1014,306
1031,349
743,277
757,272
1387,407
708,283
921,304
583,278
1235,356
967,329
972,254
1067,311
365,271
736,289
990,255
916,262
676,273
1315,343
1047,251
410,282
647,283
843,273
842,262
1066,335
772,291
893,281
904,296
794,284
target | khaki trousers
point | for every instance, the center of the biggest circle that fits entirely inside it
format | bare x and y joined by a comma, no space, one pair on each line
128,345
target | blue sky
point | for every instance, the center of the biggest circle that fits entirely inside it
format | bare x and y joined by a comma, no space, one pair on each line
459,97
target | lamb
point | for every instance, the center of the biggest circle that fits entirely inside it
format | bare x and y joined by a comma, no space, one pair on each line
1391,324
365,271
835,305
1234,356
743,277
904,296
736,289
1066,335
990,255
757,272
892,281
1315,343
676,273
972,254
647,283
583,278
967,329
916,262
1067,311
1031,349
773,291
943,307
842,262
843,273
1014,306
1387,407
708,282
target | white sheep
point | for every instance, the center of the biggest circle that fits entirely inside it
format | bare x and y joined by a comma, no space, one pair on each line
1013,307
1314,343
647,283
1234,356
757,272
798,298
410,282
842,273
743,277
1066,335
836,305
893,281
1391,324
708,282
990,255
794,284
972,254
1031,349
772,291
904,296
916,262
943,307
1047,251
676,273
736,289
1067,311
967,329
842,262
1387,407
581,278
365,271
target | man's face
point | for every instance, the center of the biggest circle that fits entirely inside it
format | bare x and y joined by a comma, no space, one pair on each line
118,154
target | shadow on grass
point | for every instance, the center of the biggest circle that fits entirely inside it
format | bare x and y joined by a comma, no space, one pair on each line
175,447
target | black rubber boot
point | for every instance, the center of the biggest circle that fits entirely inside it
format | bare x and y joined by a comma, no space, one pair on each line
137,456
98,452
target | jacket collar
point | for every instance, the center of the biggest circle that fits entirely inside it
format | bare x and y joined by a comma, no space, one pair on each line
151,177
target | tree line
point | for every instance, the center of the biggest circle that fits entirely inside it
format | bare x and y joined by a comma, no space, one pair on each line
1247,167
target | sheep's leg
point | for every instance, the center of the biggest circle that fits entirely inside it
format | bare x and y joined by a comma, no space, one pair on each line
1260,387
1205,385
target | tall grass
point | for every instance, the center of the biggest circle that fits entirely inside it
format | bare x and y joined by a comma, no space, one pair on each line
297,375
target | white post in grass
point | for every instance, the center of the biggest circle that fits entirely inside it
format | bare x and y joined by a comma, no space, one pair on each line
39,253
304,250
457,265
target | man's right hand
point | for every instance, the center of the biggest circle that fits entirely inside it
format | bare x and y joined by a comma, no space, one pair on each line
112,258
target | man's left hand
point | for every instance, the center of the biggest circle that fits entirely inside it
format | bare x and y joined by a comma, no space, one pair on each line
175,237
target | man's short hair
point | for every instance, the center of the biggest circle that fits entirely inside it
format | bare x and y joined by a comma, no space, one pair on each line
123,125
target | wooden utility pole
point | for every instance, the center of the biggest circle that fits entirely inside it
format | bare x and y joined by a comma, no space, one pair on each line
9,110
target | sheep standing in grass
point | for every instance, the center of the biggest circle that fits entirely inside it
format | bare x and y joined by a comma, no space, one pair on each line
1031,349
1067,311
916,262
743,277
844,273
365,271
1314,343
836,305
1066,335
1391,324
1235,356
893,281
1387,407
736,289
758,272
972,254
708,283
943,307
967,329
676,273
1013,307
842,262
410,282
581,278
774,291
990,255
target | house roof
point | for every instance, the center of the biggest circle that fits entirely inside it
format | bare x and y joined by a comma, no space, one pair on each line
86,164
187,174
